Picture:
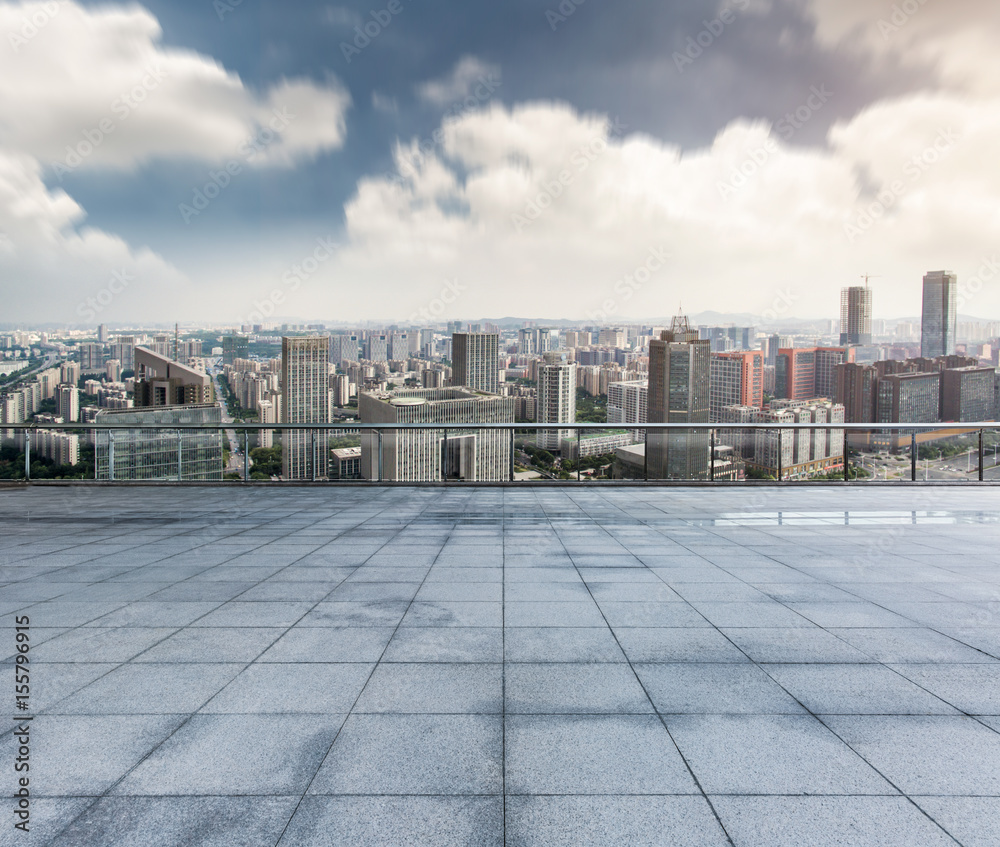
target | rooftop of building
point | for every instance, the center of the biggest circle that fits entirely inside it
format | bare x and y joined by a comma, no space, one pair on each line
483,666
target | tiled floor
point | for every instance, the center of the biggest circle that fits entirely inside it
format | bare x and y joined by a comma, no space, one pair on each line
480,667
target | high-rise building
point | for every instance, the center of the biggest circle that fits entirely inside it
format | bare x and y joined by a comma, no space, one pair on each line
737,380
91,356
727,338
69,373
235,347
680,370
856,316
857,391
69,403
556,400
102,334
377,348
808,373
475,361
305,398
344,348
909,398
160,381
967,394
940,314
628,402
419,455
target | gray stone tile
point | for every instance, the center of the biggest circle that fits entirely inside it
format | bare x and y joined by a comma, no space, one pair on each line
539,689
234,755
705,689
330,644
488,592
84,755
356,613
565,614
52,682
795,645
378,821
414,754
48,816
353,591
771,615
677,645
972,821
180,821
212,645
827,822
593,754
157,613
433,688
561,644
927,755
910,645
974,689
583,821
780,754
546,592
89,644
859,614
856,690
446,644
292,689
150,689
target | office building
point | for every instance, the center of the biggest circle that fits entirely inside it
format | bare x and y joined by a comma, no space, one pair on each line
680,370
807,373
345,463
305,398
91,357
160,381
628,402
344,348
855,316
857,391
475,361
737,380
967,394
940,314
556,398
422,455
235,347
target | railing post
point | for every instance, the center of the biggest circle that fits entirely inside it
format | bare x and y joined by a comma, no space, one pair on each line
711,456
512,448
27,455
913,456
111,455
180,447
981,459
379,455
847,460
579,455
315,458
444,459
246,455
645,458
781,456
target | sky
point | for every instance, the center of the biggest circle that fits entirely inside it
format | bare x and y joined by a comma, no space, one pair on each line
415,161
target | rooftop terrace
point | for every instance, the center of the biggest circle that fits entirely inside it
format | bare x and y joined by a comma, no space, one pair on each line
488,666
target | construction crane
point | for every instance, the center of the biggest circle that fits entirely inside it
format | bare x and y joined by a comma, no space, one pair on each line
867,277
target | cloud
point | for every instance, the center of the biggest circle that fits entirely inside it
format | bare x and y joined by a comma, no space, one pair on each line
469,72
97,83
546,210
93,88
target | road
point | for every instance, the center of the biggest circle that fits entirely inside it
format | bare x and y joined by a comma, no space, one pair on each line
963,467
235,448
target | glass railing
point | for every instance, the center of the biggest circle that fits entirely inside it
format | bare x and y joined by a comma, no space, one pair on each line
353,453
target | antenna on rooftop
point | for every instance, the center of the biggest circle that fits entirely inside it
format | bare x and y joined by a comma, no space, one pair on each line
177,333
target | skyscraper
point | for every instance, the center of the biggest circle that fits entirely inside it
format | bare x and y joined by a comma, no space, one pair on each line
856,316
305,398
679,392
737,380
475,361
235,347
940,314
556,398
